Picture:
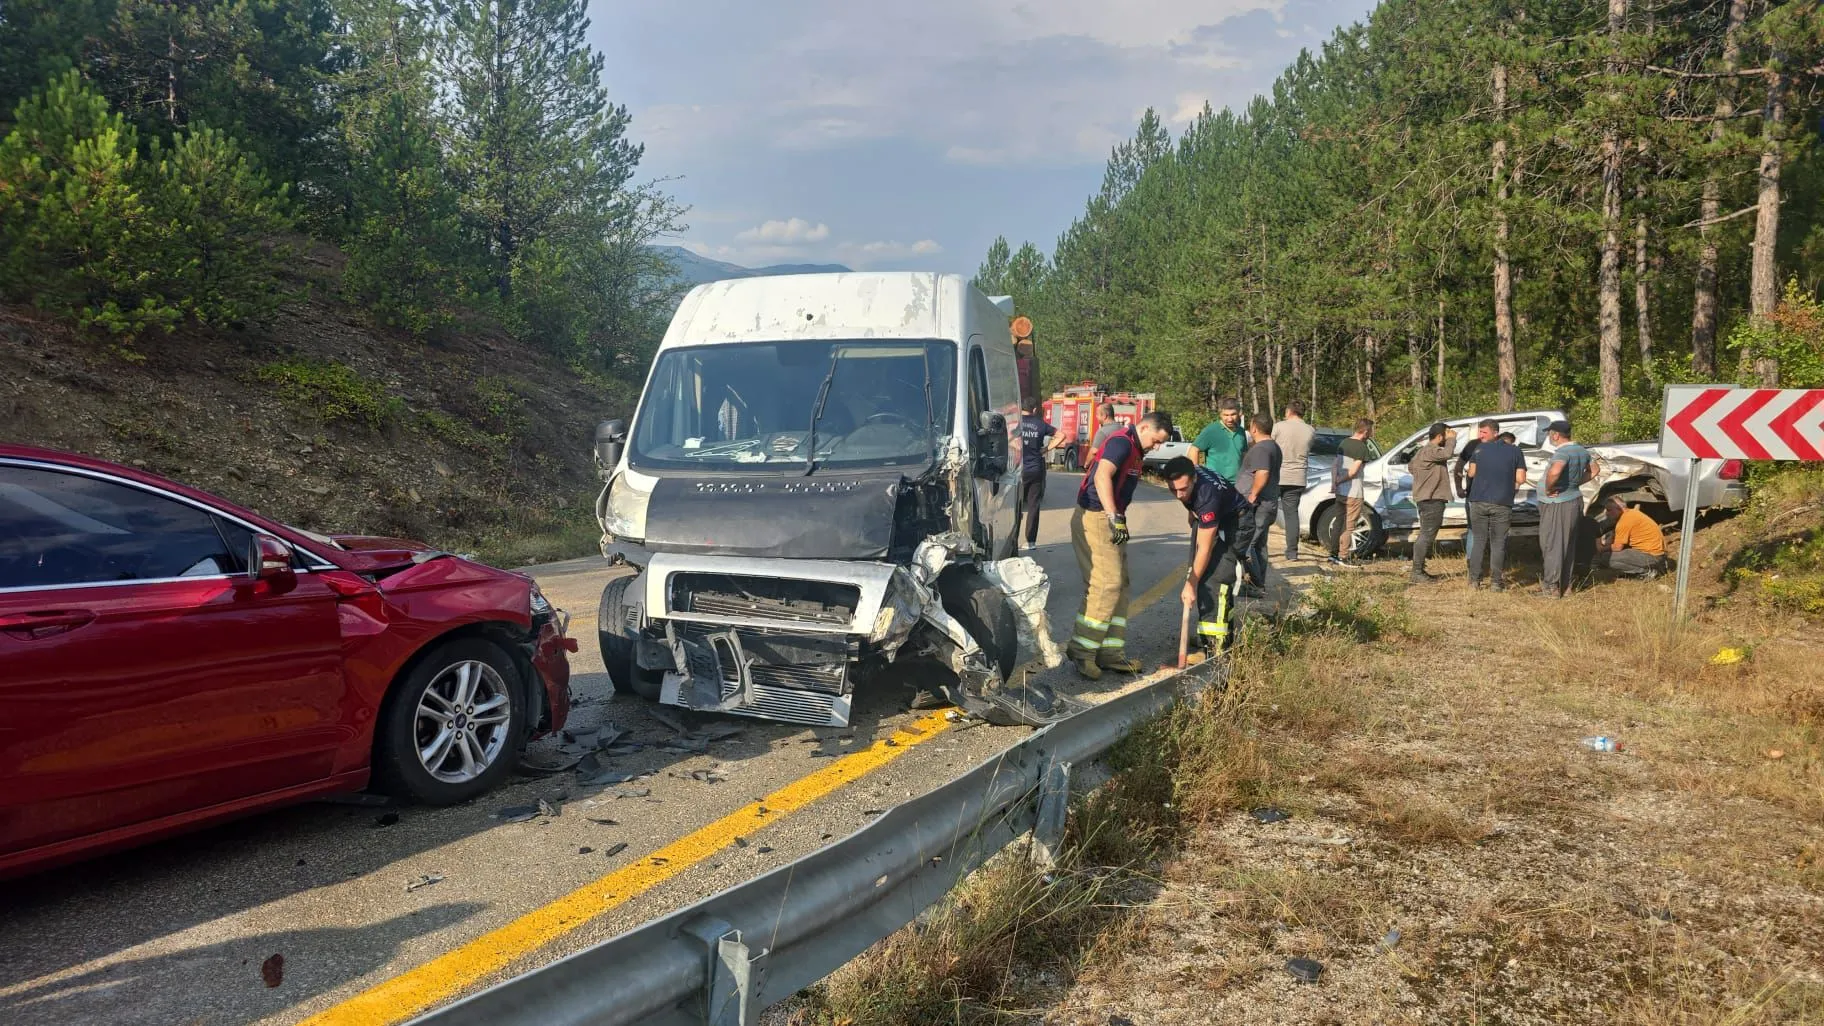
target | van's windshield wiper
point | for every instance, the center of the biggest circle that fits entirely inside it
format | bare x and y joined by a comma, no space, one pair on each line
823,395
930,413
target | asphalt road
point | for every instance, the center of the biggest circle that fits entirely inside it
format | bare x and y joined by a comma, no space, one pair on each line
178,932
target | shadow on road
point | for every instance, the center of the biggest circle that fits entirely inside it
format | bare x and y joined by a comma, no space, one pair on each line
111,993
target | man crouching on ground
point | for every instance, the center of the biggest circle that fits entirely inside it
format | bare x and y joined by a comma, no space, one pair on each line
1098,530
1216,510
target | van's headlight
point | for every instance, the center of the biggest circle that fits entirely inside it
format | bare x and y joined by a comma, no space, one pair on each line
625,514
541,606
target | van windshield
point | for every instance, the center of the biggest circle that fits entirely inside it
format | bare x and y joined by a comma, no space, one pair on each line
766,404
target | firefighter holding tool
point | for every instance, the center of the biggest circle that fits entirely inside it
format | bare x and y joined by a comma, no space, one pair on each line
1215,511
1098,530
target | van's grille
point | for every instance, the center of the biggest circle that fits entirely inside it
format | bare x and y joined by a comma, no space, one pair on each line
828,677
780,600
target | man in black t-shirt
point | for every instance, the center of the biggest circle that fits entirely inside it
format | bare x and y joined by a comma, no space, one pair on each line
1034,449
1495,473
1217,510
1258,483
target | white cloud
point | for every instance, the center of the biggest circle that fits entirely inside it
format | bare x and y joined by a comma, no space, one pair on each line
791,232
870,254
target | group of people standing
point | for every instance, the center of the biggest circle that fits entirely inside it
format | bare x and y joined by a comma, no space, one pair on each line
1238,480
1489,473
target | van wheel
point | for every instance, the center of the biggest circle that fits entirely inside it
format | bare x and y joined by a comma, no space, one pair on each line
1369,535
452,727
617,642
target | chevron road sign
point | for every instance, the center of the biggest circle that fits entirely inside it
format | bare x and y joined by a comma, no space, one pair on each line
1716,422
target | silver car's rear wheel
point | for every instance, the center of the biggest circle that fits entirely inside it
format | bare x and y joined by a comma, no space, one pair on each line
461,726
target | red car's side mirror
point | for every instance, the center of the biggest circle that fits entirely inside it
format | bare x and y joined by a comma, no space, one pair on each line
269,559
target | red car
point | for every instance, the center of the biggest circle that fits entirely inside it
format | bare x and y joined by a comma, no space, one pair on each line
168,659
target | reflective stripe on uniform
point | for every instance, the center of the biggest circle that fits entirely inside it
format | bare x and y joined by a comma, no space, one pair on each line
1211,630
1115,643
1093,624
1119,621
1078,639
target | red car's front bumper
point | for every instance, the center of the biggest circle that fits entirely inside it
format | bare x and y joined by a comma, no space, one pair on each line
551,650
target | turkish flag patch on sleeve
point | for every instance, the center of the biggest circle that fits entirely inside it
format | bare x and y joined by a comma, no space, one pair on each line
1208,518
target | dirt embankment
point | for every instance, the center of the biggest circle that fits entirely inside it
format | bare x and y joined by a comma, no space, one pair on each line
472,441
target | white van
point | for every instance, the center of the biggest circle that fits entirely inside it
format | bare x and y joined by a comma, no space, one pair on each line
822,479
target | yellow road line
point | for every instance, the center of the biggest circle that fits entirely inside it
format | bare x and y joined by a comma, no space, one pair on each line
1160,590
448,975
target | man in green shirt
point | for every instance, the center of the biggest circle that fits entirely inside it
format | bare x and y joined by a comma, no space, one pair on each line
1220,445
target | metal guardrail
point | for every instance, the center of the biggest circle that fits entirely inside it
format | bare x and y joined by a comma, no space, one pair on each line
724,960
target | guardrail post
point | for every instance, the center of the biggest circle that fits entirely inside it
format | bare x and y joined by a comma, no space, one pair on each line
1054,809
733,975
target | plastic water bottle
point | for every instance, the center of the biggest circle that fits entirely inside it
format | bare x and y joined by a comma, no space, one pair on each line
1601,744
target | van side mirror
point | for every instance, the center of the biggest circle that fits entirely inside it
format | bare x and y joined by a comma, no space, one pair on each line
991,445
610,440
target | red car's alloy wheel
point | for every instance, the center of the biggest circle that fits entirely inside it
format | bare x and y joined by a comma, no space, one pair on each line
462,721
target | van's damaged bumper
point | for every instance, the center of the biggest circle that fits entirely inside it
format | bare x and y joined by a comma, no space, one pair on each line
786,638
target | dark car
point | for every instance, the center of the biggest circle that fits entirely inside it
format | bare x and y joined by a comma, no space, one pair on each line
168,659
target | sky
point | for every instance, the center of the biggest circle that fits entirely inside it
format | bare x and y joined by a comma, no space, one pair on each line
909,135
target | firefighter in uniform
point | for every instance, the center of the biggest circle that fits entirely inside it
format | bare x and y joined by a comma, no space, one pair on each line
1098,530
1215,514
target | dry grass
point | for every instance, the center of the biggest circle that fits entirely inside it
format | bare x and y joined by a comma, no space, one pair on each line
1437,789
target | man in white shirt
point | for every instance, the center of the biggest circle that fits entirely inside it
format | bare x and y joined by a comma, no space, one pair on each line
1294,437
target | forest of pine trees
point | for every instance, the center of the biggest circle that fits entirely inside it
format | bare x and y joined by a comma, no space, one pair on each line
1465,206
158,159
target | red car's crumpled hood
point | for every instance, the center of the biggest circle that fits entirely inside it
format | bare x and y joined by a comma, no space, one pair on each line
360,552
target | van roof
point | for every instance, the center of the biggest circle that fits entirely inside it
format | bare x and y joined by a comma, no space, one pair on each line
852,304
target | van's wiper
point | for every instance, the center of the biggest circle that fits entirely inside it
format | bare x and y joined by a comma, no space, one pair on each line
823,395
930,413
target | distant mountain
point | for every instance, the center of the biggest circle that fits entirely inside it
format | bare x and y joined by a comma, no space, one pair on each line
696,270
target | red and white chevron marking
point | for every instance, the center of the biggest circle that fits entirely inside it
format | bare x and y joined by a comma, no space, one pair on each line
1715,422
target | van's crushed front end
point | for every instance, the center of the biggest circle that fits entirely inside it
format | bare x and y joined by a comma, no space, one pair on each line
784,638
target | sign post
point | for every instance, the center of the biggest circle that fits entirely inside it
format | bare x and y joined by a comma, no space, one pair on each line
1717,422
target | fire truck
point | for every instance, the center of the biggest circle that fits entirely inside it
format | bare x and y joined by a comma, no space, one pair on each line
1072,410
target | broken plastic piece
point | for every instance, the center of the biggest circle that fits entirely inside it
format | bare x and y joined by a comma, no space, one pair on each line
1268,814
425,880
517,813
272,971
615,849
1305,970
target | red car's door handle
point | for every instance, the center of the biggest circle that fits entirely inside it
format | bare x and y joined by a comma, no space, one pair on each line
46,623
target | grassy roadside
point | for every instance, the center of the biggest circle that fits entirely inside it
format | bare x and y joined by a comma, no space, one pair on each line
1425,745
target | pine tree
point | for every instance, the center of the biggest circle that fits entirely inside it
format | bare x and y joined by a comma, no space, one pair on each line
538,153
409,258
72,213
216,220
